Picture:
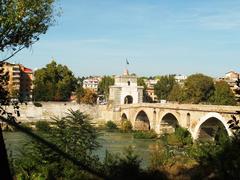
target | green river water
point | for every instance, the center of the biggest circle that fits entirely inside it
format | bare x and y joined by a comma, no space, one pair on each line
114,142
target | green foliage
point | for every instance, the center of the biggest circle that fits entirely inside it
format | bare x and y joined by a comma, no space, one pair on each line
74,135
125,166
79,93
141,82
103,86
221,136
42,126
27,126
3,83
160,157
55,82
37,104
198,88
164,86
126,126
110,125
223,95
22,22
145,134
180,137
176,94
183,135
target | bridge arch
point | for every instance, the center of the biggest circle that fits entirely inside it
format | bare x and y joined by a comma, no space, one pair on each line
168,123
124,117
209,124
141,121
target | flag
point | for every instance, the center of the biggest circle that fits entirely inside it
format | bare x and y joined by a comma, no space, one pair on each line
127,62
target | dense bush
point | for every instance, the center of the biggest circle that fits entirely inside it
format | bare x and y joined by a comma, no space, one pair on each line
110,125
160,157
126,126
42,126
121,166
126,166
145,134
26,126
180,137
183,135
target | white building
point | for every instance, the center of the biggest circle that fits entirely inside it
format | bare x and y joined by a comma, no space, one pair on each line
91,83
180,78
232,75
125,90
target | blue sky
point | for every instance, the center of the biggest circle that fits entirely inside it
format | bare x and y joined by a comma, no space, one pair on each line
94,37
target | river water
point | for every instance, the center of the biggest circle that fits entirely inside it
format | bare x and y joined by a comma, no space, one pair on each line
114,142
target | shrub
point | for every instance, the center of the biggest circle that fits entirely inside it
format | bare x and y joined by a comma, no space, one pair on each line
183,135
42,126
180,137
110,125
160,157
126,126
122,166
27,126
145,134
37,104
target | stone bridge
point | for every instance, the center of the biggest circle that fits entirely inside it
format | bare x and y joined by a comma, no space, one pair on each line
202,121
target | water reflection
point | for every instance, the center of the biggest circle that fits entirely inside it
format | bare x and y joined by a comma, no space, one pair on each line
114,142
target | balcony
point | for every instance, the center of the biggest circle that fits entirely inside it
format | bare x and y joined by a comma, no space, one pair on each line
15,76
16,69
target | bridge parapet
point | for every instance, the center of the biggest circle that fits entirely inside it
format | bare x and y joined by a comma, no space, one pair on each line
187,107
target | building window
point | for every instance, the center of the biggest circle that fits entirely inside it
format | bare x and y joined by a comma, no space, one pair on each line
129,83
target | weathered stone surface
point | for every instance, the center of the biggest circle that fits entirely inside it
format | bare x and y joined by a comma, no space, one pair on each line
31,113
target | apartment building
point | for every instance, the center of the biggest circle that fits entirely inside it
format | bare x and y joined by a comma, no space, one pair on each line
91,83
19,80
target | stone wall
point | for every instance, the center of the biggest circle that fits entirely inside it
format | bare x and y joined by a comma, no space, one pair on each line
31,113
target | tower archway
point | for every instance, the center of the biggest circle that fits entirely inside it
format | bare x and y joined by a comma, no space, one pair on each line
128,100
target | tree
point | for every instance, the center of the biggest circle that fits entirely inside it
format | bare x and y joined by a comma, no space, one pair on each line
103,86
141,82
79,93
176,93
74,135
22,22
223,95
3,86
198,88
89,97
55,82
164,86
